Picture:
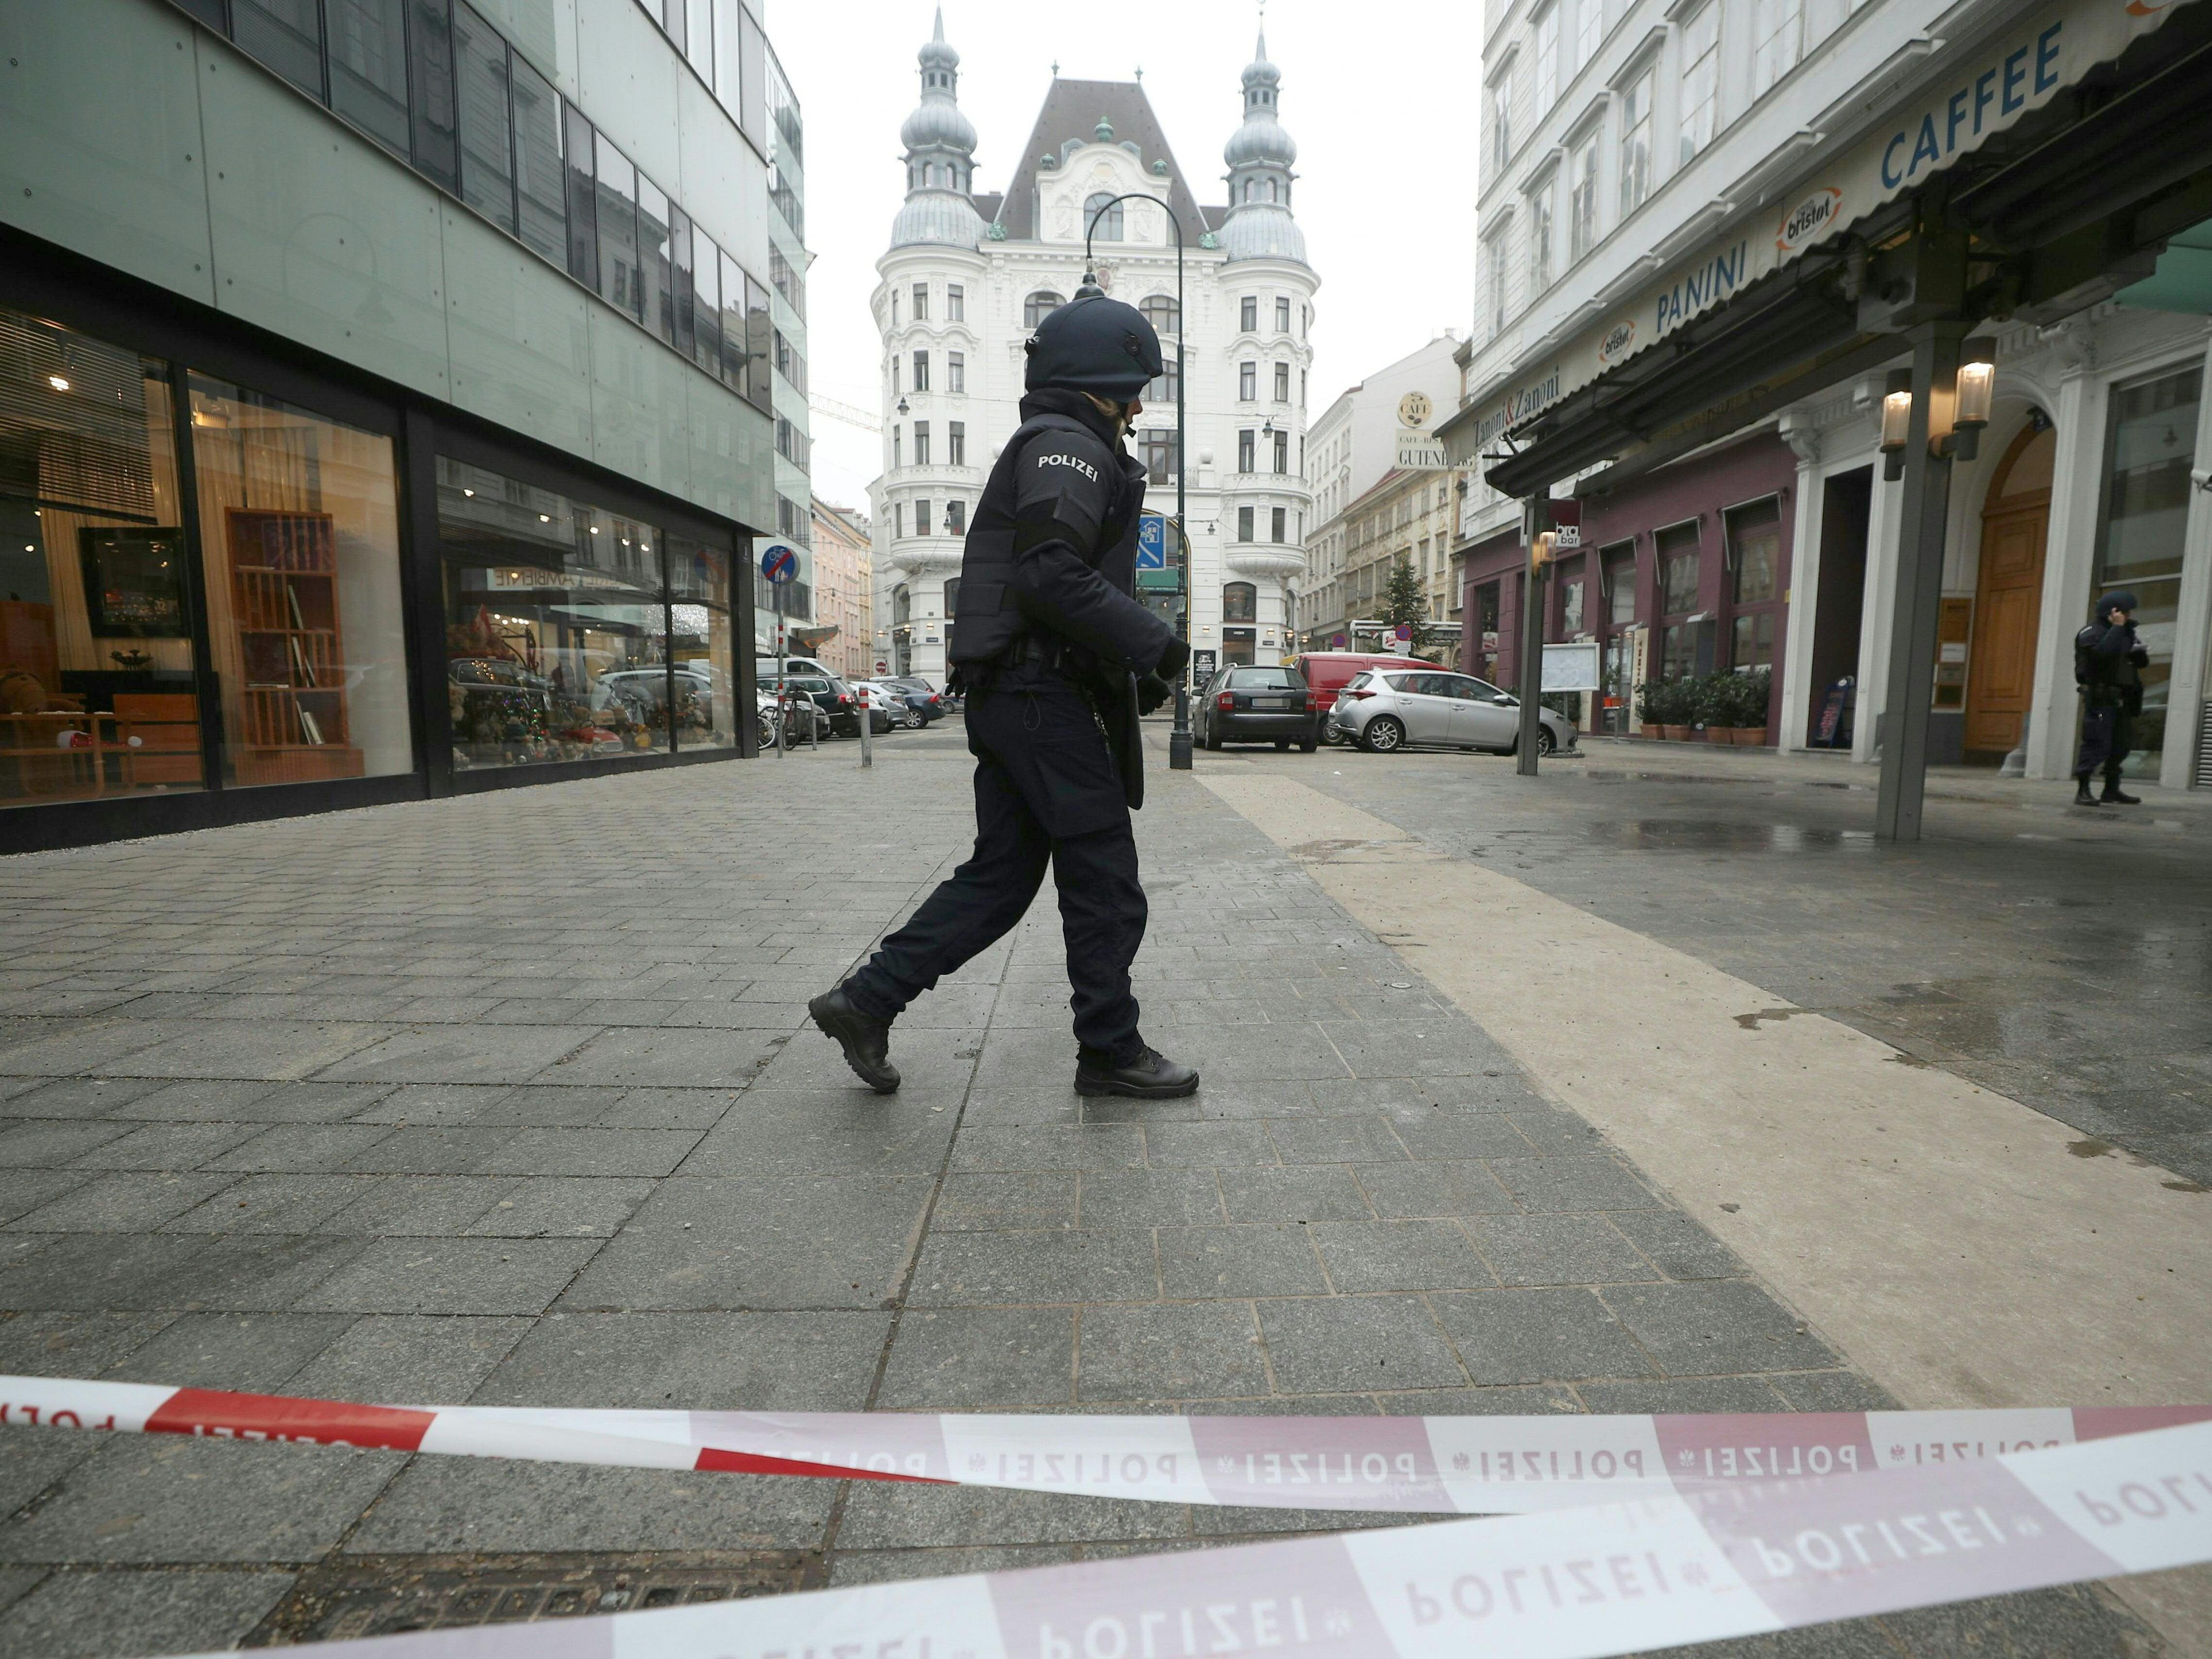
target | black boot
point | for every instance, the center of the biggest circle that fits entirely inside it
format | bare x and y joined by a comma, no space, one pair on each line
2081,795
1150,1076
865,1040
2118,796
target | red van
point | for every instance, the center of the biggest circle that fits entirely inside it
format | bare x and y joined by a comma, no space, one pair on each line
1327,673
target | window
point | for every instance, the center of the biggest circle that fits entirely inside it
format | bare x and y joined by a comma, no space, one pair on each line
1777,40
1589,29
1037,305
1493,260
895,375
1101,217
487,125
1541,232
1243,524
895,444
921,443
1582,206
956,372
921,371
1159,310
790,363
1248,382
1634,143
956,303
541,208
1169,385
1701,79
1155,448
955,523
621,283
1754,540
1248,314
1279,523
921,303
1282,451
1548,58
895,322
1240,601
955,443
1618,564
1248,443
1501,121
1282,384
898,520
1282,314
922,516
1678,569
2150,437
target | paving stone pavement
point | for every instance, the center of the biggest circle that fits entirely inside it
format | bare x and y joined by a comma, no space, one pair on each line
510,1099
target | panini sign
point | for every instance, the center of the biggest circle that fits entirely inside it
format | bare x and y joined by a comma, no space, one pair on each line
2021,69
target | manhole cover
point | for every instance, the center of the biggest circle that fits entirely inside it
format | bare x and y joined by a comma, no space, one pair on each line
383,1595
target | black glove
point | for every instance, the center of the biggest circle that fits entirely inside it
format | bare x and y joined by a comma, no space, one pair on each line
1173,661
1151,692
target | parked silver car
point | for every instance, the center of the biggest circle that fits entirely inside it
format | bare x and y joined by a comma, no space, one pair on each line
1385,709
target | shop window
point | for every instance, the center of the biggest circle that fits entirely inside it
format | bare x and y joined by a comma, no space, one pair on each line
560,644
701,652
2143,526
97,689
1570,601
1237,647
1619,563
299,539
1678,568
1239,602
1754,534
1751,641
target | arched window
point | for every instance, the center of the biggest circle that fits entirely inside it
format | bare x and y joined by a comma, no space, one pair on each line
1107,212
1038,305
1159,310
1240,601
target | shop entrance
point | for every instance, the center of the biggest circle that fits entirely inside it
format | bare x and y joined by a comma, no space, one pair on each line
1839,602
2008,594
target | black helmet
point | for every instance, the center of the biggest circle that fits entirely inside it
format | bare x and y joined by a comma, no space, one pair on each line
1094,344
2120,598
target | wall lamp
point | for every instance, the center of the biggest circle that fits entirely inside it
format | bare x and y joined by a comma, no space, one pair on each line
1972,392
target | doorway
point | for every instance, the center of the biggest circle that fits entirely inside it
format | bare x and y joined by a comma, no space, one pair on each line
2009,592
1846,501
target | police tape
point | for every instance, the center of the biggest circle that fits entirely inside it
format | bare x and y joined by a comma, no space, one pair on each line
1581,1583
1381,1464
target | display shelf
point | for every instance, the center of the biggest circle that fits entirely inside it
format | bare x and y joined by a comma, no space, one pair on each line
292,724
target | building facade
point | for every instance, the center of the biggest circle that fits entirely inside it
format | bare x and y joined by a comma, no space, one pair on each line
1350,446
1799,199
387,410
844,590
969,274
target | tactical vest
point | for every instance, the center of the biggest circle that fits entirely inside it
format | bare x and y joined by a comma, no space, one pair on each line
988,626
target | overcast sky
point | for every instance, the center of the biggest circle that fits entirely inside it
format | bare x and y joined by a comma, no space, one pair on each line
1380,99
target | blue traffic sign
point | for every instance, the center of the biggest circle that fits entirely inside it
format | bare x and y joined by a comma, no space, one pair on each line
1151,541
779,564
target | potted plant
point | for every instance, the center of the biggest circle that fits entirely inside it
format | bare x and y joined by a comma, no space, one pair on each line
1651,707
1702,700
1753,691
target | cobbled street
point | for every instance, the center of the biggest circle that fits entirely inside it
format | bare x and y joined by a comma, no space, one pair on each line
510,1099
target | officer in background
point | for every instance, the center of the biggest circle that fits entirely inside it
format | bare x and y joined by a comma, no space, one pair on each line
2108,664
1058,660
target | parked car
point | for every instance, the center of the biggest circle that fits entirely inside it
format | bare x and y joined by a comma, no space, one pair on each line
765,668
885,709
1327,673
764,713
1385,709
923,699
1243,704
834,697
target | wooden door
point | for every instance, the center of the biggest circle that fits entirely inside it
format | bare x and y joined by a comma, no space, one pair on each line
2008,603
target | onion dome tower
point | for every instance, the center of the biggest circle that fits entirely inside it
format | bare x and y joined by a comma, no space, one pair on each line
1260,155
940,156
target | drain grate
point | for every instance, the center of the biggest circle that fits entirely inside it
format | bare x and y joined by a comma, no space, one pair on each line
383,1596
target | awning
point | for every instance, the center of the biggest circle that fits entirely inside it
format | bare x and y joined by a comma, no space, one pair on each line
2062,119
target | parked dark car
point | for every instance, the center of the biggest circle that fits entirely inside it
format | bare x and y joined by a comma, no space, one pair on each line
834,698
1257,705
922,699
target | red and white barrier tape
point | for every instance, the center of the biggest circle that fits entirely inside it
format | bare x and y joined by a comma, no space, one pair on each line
1759,1556
1404,1465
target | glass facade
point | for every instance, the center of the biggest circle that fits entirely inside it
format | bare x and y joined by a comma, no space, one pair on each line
565,639
2141,529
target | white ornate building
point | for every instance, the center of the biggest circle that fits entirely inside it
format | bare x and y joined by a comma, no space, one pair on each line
966,280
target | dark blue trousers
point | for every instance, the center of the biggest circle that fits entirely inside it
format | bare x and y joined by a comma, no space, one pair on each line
1047,792
2107,734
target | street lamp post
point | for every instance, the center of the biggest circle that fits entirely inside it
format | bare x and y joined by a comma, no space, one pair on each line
1179,739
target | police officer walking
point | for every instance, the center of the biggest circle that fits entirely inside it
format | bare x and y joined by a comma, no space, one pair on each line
1058,661
2108,663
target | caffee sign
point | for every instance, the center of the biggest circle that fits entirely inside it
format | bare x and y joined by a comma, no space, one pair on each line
1418,449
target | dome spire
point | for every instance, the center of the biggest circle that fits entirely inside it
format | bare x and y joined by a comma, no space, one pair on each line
940,154
1260,155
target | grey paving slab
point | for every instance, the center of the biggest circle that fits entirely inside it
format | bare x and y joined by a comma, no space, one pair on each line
299,1147
23,1191
474,1053
1446,1188
668,1108
1350,1139
54,1144
954,1358
1238,1262
1399,1256
1540,1336
1054,1147
563,1206
81,1615
72,1096
704,1361
74,1344
969,1269
635,1057
781,1131
1448,1134
1357,1344
266,1048
972,1201
1557,1249
395,1359
417,1205
253,1352
1206,1146
1170,1350
881,1516
32,1461
167,1498
452,1275
1716,1325
825,1243
129,1201
1590,1181
1676,1244
1145,1198
1299,1193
